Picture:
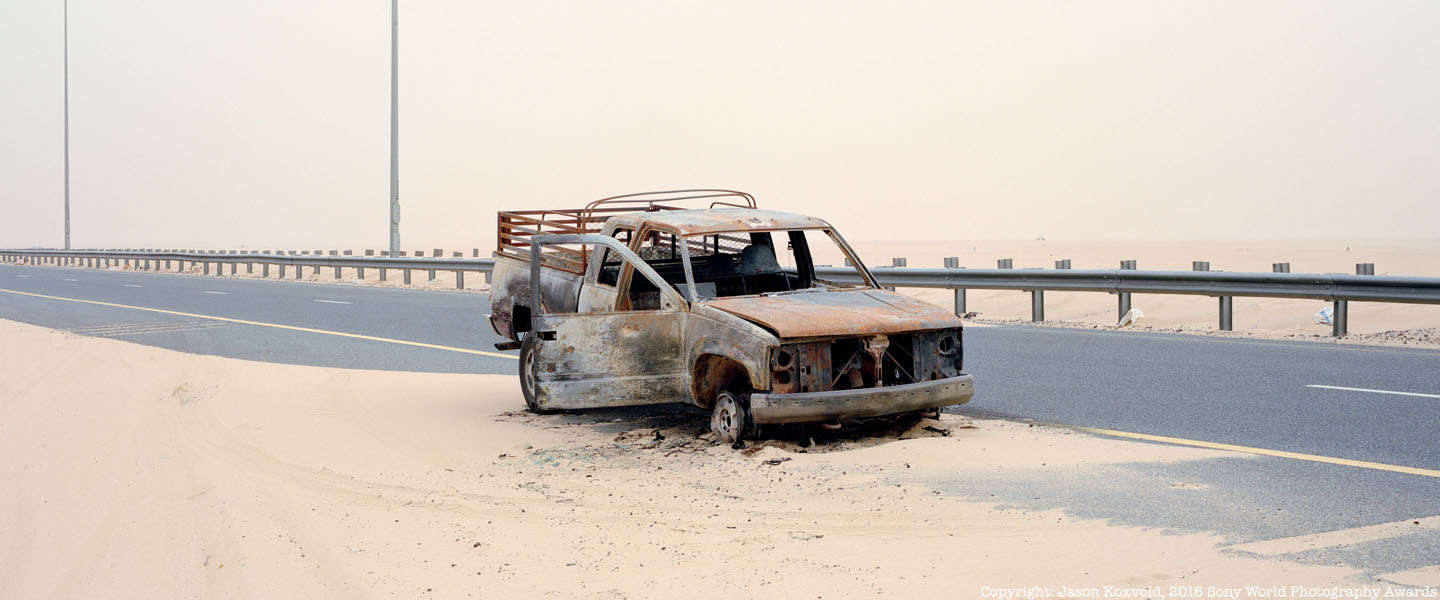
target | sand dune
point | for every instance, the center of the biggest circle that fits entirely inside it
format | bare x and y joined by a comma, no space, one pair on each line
133,471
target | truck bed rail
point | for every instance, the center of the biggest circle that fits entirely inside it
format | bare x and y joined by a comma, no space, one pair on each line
516,227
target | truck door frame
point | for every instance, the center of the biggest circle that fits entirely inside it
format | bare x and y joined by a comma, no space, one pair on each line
614,357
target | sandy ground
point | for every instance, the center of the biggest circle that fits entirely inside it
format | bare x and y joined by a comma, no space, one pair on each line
137,472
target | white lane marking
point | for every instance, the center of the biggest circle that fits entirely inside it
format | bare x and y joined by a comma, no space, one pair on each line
1343,537
133,285
217,293
23,276
333,301
1370,391
69,279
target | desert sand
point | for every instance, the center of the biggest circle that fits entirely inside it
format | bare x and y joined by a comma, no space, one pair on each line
137,472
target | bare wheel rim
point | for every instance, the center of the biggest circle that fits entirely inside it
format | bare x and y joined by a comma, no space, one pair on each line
725,419
527,374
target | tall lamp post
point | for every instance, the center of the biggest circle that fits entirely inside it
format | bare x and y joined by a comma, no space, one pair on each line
394,128
66,28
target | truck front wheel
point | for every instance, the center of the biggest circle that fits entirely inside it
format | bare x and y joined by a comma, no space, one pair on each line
527,376
730,419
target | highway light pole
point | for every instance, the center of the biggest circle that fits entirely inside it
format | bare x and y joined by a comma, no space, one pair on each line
66,28
394,128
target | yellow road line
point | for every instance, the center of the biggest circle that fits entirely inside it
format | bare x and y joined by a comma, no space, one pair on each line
263,324
1252,450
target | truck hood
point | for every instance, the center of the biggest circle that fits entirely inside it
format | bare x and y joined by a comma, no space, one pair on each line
834,313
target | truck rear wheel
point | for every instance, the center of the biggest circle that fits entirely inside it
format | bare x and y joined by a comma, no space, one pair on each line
730,419
527,376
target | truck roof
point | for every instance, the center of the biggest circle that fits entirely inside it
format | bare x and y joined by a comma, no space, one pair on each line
719,220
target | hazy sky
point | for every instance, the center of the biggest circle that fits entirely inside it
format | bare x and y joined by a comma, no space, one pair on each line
265,122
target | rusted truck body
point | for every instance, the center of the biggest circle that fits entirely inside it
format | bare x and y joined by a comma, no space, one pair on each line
617,304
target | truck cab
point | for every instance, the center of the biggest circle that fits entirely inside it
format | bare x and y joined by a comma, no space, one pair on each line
718,307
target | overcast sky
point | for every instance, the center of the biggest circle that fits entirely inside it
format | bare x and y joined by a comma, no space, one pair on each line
265,122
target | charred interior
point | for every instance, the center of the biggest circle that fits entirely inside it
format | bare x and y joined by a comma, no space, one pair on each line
865,362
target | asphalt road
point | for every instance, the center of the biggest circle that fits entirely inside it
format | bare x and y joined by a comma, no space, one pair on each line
1251,393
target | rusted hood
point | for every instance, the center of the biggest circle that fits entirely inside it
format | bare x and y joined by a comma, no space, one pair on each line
822,313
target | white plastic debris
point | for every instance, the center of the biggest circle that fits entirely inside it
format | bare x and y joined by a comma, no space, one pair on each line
1323,317
1131,316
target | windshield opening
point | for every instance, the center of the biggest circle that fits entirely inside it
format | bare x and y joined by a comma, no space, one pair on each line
762,262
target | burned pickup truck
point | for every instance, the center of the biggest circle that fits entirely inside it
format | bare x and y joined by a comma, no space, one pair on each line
635,300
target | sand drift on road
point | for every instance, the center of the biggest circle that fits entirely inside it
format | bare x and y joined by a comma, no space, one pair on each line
133,471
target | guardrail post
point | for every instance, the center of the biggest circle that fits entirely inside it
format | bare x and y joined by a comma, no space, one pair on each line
360,273
249,268
1124,297
382,273
282,272
207,268
1227,303
1281,267
265,270
1340,310
337,273
895,262
953,262
407,276
438,253
459,280
234,268
1037,305
1063,263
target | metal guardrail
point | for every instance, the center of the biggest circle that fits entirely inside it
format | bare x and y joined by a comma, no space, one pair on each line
163,261
1339,289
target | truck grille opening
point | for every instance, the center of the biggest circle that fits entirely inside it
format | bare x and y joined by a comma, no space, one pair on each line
864,362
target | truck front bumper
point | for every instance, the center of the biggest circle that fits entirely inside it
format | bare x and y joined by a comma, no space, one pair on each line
809,407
